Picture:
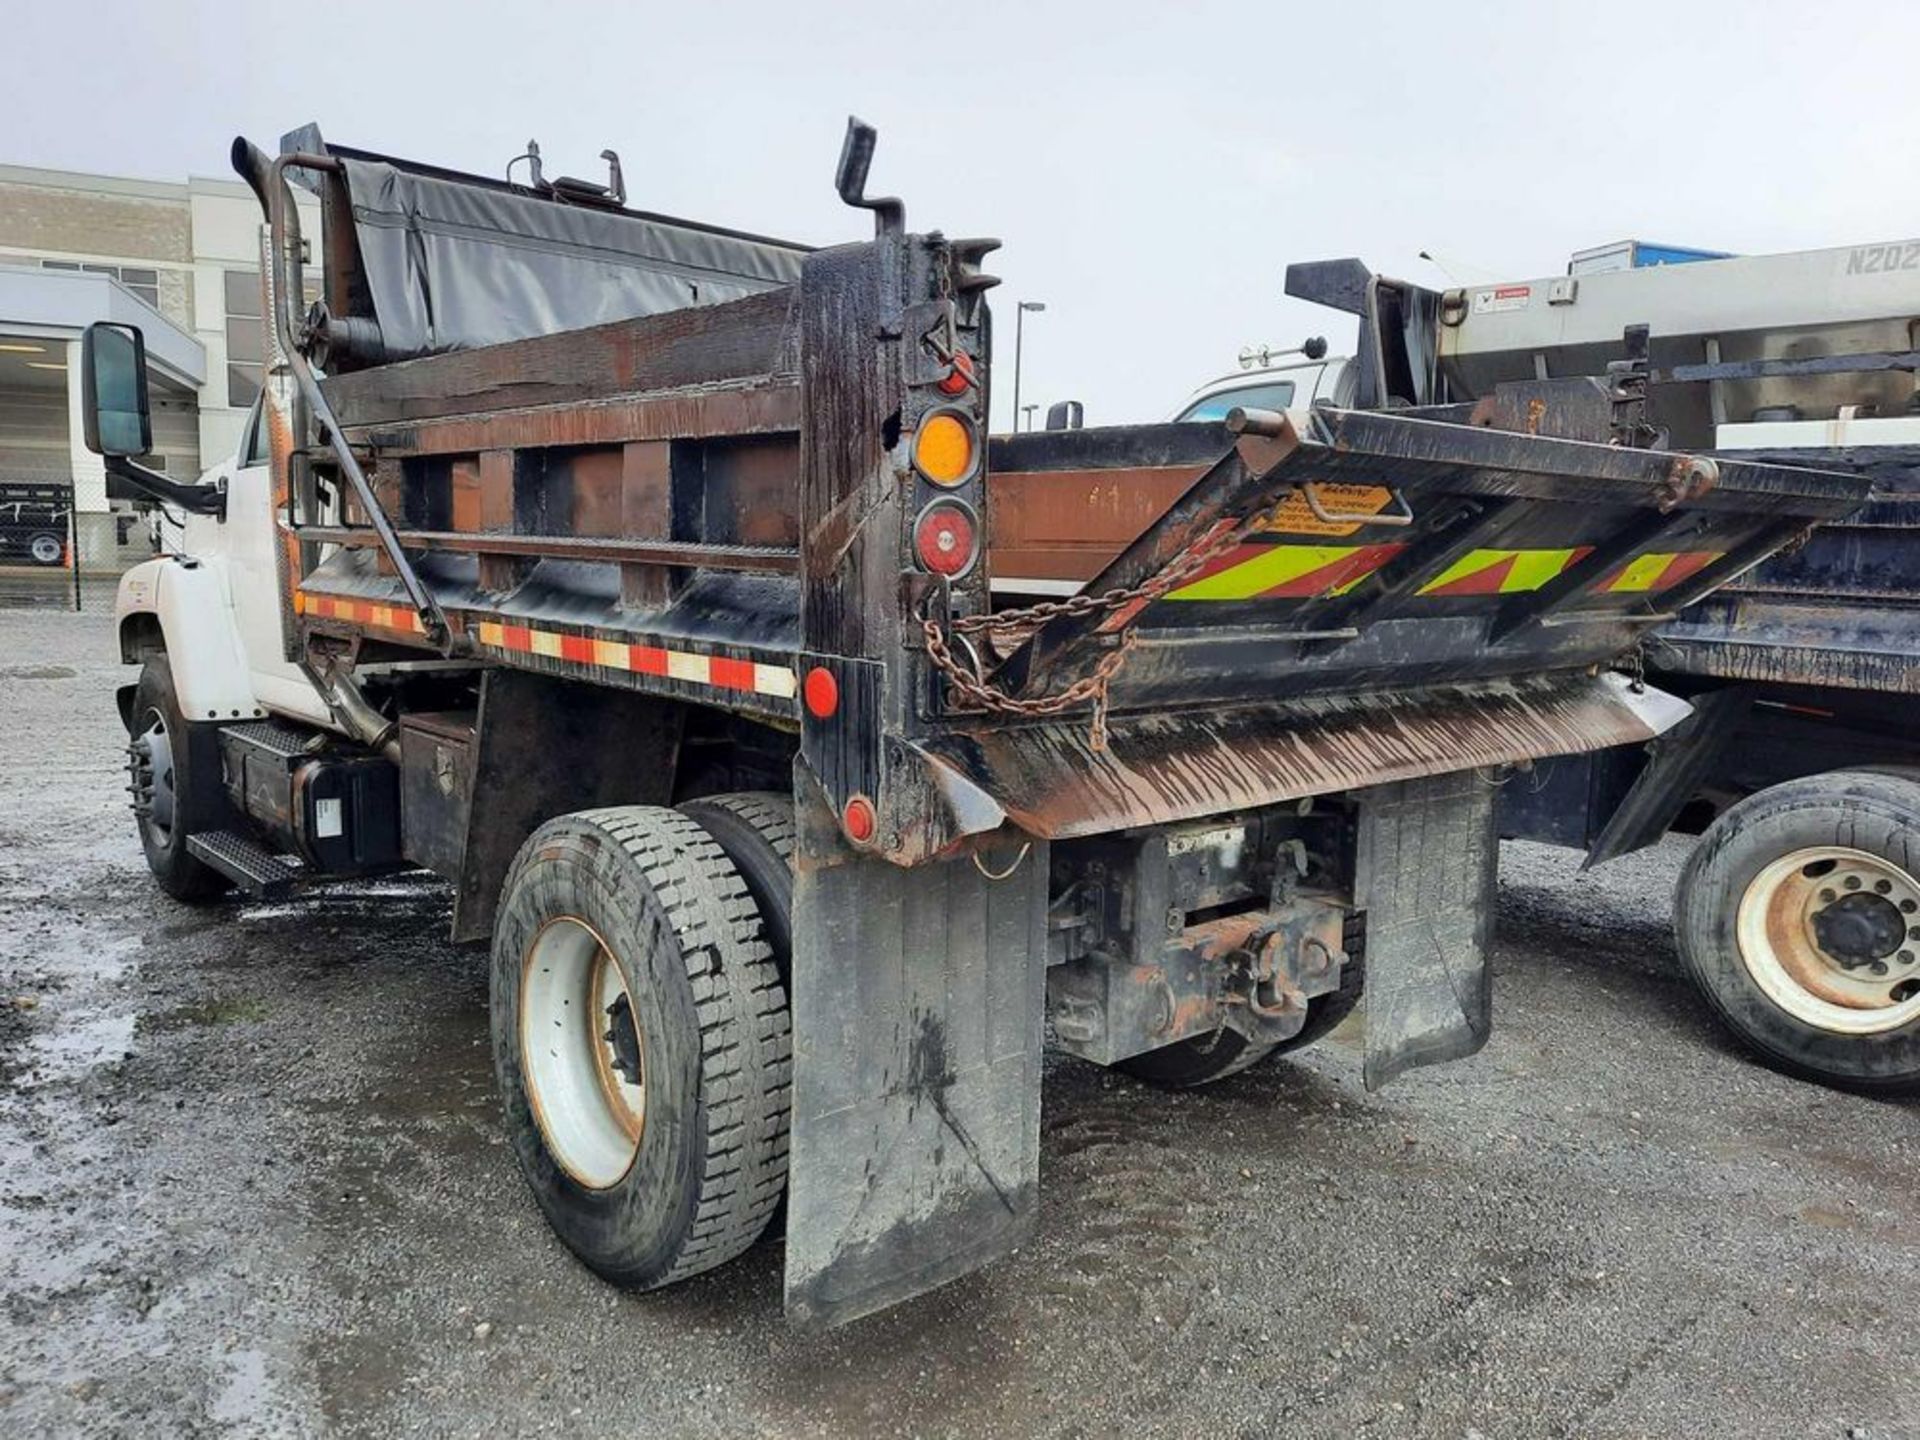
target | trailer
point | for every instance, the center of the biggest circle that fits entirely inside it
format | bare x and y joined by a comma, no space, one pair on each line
635,577
35,521
1798,914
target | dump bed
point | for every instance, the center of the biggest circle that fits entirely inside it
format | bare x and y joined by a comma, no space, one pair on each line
714,502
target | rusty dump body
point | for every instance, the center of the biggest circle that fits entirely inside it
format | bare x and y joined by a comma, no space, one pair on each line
697,541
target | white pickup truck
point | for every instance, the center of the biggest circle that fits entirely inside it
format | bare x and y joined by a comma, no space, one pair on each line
1268,379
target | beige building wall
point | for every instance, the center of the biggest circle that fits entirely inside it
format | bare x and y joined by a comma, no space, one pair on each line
193,236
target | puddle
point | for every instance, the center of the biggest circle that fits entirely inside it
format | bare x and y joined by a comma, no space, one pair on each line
69,1040
243,1394
37,672
75,1048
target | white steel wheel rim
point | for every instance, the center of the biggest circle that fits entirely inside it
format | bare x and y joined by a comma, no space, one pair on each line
1779,942
46,549
586,1083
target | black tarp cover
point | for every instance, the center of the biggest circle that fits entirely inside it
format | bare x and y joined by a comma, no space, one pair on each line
454,266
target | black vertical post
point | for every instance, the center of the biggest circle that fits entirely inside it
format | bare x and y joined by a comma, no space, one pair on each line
73,546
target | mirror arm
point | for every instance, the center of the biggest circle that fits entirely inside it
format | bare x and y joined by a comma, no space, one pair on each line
195,499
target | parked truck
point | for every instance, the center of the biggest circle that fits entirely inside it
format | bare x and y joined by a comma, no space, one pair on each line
1798,914
634,576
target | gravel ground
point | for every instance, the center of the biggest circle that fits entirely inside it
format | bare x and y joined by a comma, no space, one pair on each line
252,1182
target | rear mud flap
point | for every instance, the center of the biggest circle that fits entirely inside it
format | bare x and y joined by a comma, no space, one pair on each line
1426,881
917,1012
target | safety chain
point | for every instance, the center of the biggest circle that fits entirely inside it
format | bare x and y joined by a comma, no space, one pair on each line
974,691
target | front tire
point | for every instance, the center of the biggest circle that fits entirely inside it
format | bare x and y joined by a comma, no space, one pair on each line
173,769
1798,916
641,1042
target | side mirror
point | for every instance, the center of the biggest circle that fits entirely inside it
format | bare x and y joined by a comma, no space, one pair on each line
1066,415
113,381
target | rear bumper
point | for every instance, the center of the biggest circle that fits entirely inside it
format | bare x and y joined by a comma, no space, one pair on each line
1049,781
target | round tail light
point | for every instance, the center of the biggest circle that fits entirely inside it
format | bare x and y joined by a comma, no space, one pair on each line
858,819
945,538
943,447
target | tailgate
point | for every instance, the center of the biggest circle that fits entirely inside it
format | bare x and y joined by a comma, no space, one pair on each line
1382,552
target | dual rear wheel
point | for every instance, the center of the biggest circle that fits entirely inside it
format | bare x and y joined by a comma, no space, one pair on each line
640,1030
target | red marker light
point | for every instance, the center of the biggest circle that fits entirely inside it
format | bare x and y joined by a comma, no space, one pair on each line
959,379
821,691
858,819
944,539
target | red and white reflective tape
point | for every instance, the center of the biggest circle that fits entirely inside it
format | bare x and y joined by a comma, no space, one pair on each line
358,612
720,671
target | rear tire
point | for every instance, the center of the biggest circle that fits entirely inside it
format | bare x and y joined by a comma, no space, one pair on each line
634,920
1200,1060
1823,996
755,829
174,774
47,548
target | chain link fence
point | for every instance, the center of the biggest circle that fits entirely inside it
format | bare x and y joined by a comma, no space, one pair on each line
55,555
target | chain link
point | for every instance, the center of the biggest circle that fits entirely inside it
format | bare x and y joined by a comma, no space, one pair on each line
1007,628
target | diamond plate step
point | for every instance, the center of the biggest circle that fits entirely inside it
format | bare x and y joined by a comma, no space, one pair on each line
247,863
276,738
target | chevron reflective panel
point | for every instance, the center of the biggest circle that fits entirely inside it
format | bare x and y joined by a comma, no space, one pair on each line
1272,572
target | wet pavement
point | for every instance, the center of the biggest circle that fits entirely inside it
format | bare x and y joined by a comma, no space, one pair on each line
252,1182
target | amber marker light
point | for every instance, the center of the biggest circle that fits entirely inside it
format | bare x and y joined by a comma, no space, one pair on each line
944,450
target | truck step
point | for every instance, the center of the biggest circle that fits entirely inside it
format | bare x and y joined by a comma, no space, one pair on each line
276,738
248,864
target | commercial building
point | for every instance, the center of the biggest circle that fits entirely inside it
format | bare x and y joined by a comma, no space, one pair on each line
181,261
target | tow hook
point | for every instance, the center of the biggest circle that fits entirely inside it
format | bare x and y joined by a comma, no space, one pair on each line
1270,991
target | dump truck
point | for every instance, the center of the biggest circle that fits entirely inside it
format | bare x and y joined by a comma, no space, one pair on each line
634,575
1798,913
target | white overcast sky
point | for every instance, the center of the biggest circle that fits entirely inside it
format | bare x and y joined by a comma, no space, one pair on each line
1151,168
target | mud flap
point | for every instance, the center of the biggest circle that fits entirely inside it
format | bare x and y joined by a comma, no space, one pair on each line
1427,857
917,1012
1678,764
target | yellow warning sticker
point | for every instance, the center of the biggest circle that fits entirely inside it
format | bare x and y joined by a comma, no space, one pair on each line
1293,516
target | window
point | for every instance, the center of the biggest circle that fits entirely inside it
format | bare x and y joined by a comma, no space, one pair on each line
253,441
246,338
144,283
1274,395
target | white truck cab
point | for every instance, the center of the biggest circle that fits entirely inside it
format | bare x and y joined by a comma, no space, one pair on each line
212,600
1286,380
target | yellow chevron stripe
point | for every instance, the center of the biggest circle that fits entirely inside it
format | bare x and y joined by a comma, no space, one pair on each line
1534,568
1641,574
1531,569
1468,564
1277,566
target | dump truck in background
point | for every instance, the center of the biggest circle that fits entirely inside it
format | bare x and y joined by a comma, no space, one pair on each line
1798,914
635,576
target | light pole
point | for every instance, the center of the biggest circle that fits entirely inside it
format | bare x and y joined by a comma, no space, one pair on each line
1019,320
